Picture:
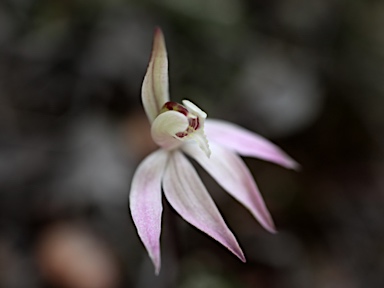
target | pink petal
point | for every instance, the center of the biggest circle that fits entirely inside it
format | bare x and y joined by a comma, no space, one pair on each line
246,143
145,203
229,170
188,196
154,92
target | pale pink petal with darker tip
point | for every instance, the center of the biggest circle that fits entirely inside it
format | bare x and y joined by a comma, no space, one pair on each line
145,203
155,91
230,172
189,197
246,143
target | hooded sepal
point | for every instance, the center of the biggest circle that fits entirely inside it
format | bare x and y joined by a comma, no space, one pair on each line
155,91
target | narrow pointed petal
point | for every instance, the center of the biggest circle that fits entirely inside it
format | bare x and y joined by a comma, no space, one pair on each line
145,203
154,92
166,126
231,173
246,143
188,196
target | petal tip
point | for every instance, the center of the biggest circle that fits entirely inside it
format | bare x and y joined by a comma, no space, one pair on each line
270,227
159,41
273,230
241,257
290,163
157,270
267,223
158,31
236,250
296,166
156,260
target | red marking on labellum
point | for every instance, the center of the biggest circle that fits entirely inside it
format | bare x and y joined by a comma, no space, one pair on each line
176,107
194,123
181,134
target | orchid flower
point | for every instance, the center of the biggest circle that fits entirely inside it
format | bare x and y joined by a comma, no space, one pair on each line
180,129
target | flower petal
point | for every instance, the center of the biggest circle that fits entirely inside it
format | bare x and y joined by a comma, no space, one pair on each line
195,110
188,196
154,92
246,143
165,127
230,172
145,203
198,136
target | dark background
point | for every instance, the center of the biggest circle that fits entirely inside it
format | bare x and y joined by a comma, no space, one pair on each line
306,74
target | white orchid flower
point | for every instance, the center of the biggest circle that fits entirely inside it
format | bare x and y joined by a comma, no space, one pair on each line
180,129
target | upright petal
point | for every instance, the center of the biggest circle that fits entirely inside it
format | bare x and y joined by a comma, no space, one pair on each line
154,92
188,196
145,203
232,174
246,143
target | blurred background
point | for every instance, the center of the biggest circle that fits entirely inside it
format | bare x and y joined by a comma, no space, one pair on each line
306,74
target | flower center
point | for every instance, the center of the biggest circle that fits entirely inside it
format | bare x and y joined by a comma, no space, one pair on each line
178,124
193,120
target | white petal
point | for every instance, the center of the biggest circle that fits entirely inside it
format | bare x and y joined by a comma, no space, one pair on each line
192,108
246,143
201,140
165,127
232,174
199,135
188,196
154,92
145,203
